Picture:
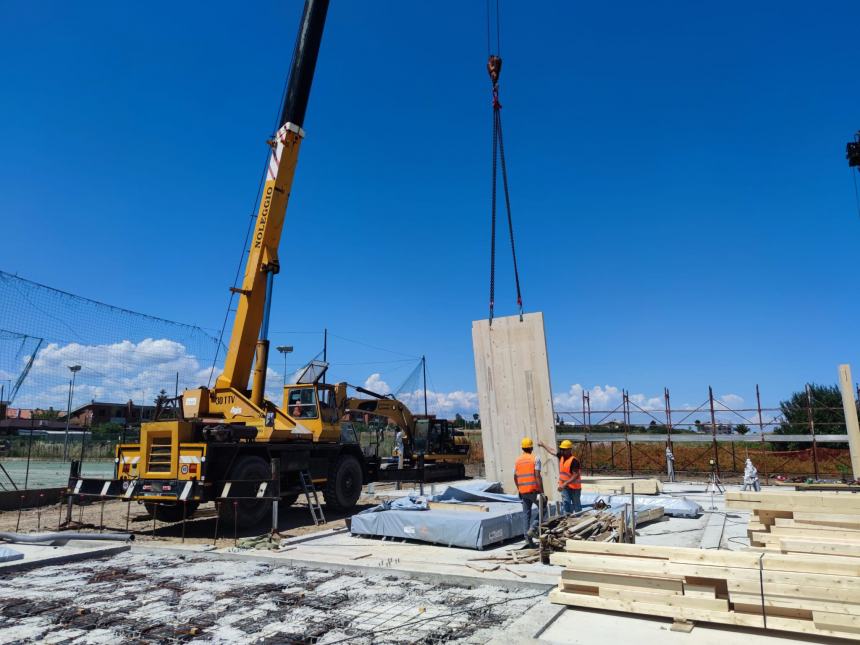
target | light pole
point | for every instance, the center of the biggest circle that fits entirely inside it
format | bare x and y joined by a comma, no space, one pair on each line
74,369
285,349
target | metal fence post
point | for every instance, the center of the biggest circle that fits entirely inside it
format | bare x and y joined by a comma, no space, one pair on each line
761,431
809,416
625,411
74,473
714,429
276,496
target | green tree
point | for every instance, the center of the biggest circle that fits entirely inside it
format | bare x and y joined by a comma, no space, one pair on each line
46,415
827,414
742,428
105,431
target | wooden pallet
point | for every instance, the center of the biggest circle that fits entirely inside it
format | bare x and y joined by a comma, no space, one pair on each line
805,594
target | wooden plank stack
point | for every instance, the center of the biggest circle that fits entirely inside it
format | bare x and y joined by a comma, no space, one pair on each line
596,526
621,485
805,594
826,523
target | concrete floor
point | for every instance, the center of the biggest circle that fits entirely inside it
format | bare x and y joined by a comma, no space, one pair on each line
402,564
37,555
588,626
155,597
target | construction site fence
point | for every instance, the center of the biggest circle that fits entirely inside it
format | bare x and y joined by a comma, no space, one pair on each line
825,456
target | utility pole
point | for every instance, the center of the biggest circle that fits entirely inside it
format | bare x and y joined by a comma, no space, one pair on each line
285,349
74,369
424,368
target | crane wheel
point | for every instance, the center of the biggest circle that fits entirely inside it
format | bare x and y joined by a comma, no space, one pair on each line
170,512
247,512
343,486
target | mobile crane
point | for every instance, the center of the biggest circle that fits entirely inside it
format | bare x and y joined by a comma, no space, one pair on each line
230,434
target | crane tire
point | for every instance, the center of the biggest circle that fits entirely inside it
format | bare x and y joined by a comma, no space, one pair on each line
170,512
343,486
247,512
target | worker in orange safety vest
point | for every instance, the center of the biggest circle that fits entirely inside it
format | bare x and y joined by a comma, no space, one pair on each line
529,486
569,476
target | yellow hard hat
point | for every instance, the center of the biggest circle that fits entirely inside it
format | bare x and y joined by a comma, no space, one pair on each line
527,443
567,443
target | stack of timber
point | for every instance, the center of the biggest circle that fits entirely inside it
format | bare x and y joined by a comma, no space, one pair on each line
804,594
824,523
596,526
621,485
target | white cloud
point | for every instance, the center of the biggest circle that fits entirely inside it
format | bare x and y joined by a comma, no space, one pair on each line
731,400
113,372
443,404
606,397
374,383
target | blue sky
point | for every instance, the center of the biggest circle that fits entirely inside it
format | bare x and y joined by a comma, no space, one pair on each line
684,212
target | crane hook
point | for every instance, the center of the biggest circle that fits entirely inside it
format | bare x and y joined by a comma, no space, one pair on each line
494,69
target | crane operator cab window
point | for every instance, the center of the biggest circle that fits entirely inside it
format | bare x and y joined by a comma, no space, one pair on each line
302,403
328,411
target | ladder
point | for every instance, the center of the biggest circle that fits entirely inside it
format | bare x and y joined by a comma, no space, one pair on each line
311,495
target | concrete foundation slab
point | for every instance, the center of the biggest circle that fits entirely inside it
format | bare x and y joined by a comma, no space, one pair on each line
162,597
37,555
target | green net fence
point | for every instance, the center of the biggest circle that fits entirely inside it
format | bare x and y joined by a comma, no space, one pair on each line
123,355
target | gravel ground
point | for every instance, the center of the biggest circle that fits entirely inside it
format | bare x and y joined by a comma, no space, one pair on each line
118,516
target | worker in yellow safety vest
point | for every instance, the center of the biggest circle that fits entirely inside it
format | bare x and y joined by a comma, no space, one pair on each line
529,486
569,476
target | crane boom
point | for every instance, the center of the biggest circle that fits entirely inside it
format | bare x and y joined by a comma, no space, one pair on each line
249,339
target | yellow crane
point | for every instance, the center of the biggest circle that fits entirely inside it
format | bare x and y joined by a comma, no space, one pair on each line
232,444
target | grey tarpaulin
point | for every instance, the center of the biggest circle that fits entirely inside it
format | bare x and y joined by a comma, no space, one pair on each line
8,555
672,506
472,530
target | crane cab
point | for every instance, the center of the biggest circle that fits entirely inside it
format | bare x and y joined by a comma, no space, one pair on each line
313,404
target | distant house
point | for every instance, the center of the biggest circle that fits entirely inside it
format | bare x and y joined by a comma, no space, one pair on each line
96,413
39,427
722,428
28,413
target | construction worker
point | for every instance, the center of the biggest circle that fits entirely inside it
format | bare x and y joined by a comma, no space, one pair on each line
569,476
670,463
529,486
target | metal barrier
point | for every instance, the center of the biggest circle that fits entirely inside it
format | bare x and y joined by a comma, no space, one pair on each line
82,490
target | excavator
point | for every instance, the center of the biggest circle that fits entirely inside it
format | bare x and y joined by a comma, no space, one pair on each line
229,442
433,439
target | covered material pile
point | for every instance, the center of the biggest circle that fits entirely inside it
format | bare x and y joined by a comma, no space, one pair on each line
804,594
826,523
473,516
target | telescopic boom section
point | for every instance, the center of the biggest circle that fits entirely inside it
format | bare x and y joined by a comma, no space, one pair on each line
250,327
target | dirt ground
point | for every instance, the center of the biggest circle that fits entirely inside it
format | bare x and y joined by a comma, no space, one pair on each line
119,517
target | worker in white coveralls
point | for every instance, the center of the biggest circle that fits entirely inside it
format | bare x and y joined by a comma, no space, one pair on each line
527,477
670,463
751,477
